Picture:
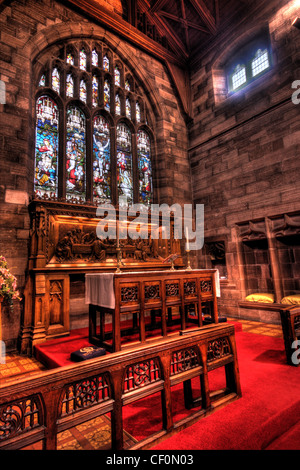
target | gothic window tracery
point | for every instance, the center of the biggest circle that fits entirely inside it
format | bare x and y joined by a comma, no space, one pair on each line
93,144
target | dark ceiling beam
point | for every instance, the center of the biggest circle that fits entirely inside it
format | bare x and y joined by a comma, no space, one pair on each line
185,25
164,28
217,11
173,38
205,14
122,28
191,24
158,5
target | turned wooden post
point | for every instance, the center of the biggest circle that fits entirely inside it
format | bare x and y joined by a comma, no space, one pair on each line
274,262
241,261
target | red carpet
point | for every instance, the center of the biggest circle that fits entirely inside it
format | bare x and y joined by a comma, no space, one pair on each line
266,415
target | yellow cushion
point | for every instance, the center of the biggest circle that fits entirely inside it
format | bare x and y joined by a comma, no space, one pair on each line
291,299
260,297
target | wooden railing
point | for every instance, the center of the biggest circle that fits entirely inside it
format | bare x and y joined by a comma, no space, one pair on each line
38,408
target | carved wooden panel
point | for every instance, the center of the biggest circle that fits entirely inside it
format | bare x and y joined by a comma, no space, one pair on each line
141,374
152,292
184,360
129,293
85,393
172,289
57,304
19,417
218,349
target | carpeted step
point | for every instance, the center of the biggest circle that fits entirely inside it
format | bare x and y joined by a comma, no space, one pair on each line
278,428
289,440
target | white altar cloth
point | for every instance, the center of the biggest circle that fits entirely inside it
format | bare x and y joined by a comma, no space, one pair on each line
99,287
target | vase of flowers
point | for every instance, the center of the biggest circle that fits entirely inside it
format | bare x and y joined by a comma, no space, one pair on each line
8,287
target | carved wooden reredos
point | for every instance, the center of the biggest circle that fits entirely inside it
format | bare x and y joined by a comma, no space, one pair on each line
64,242
64,236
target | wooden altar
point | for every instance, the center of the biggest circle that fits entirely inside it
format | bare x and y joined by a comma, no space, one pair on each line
137,292
63,243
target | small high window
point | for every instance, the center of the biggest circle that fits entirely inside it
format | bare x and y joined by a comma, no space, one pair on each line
252,60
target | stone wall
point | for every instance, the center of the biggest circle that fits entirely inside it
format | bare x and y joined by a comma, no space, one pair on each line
27,30
244,148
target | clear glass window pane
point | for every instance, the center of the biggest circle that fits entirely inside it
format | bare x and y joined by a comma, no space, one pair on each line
239,76
260,62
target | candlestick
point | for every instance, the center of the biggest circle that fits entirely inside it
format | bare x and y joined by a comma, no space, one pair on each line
119,262
118,236
188,268
187,239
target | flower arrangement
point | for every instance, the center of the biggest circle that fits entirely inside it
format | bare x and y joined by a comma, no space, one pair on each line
8,283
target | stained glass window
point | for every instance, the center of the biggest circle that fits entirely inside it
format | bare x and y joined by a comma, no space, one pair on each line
127,85
75,153
124,162
42,81
95,59
82,91
118,105
82,59
101,160
128,108
107,95
95,90
138,112
46,147
144,166
106,63
69,86
117,77
56,80
70,58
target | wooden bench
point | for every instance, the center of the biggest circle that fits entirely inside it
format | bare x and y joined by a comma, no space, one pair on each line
290,321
